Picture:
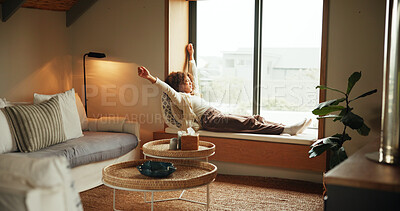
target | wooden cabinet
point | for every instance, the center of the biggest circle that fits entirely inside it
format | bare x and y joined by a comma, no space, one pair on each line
361,184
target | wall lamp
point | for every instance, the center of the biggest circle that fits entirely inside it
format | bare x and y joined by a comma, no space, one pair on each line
93,55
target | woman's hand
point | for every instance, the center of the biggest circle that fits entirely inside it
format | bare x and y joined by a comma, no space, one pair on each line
144,73
190,50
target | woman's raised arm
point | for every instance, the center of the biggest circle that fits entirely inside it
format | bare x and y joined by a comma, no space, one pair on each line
190,50
174,95
144,73
193,68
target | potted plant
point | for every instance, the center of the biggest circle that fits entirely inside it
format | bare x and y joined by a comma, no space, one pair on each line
346,116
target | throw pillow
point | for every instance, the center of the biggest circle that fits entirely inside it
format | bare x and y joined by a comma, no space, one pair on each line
2,102
69,112
36,126
7,143
172,115
82,113
8,103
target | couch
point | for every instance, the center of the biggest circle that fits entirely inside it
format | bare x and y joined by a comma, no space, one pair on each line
51,177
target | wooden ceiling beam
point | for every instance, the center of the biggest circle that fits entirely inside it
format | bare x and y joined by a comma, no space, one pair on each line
78,9
9,7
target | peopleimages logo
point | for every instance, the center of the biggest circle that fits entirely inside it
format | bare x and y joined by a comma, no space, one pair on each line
124,95
153,118
230,95
284,94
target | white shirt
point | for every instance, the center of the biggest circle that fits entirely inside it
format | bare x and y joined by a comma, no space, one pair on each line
199,105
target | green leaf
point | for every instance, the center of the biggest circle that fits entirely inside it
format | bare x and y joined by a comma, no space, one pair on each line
363,130
365,94
320,146
352,81
352,120
329,116
326,140
330,103
326,110
340,139
325,87
327,107
337,156
341,114
318,150
344,137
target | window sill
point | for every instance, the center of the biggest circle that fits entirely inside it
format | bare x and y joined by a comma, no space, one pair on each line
306,138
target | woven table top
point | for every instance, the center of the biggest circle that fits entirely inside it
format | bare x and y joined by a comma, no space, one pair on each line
161,148
188,174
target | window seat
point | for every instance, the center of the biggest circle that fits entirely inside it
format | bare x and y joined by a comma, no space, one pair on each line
306,138
283,151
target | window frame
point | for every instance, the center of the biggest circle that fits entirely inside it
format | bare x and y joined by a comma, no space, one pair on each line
258,54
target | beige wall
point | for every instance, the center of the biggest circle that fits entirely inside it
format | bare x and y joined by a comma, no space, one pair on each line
34,54
178,35
131,33
355,43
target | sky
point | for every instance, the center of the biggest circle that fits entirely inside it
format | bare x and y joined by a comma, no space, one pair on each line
226,25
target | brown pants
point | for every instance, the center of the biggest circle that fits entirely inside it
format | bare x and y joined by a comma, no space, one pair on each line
214,120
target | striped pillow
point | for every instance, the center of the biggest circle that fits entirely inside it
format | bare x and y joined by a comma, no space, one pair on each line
36,126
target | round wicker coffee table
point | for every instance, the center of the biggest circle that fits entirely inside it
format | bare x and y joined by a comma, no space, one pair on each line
160,149
189,174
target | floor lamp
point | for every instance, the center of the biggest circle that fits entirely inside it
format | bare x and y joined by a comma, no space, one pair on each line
94,55
389,150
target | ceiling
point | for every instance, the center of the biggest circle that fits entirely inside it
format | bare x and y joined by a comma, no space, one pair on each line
55,5
73,8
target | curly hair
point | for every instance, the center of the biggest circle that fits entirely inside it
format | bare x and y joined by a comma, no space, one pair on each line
175,79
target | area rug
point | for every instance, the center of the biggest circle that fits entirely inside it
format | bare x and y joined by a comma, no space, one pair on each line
227,192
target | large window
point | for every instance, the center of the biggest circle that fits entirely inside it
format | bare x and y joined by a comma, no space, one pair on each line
260,56
225,41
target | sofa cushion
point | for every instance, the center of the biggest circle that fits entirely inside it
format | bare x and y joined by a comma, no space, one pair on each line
3,102
7,143
82,113
69,112
92,147
36,126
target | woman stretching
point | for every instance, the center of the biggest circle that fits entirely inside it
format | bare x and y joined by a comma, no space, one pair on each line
182,88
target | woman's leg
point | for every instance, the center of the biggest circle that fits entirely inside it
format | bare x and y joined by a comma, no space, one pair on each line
214,120
292,129
262,119
256,117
